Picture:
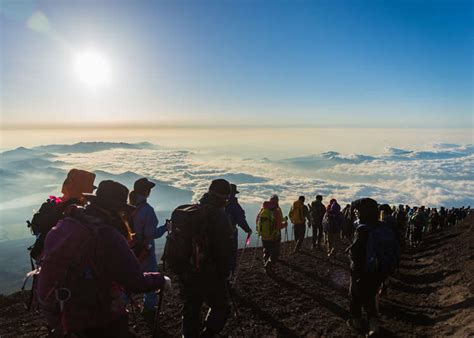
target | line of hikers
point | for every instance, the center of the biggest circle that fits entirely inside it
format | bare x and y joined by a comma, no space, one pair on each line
94,250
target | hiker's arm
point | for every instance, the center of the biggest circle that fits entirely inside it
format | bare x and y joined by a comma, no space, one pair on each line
122,265
358,253
239,214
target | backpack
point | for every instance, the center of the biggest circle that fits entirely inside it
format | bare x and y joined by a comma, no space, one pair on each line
317,210
187,244
43,220
69,272
297,213
383,252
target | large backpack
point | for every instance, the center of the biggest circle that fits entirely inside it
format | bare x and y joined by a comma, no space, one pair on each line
69,271
383,252
43,220
187,244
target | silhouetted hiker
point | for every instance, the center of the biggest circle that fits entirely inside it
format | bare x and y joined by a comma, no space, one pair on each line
317,213
87,265
434,220
270,221
348,230
401,224
54,209
198,250
333,223
298,214
419,221
145,228
451,218
386,215
374,254
442,218
236,217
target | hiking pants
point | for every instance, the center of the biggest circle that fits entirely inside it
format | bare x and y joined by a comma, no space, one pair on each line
300,230
234,247
362,294
149,264
197,289
317,232
333,241
271,250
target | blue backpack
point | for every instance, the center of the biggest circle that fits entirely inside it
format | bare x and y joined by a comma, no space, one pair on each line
383,251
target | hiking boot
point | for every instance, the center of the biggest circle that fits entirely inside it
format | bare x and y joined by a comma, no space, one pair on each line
355,323
373,327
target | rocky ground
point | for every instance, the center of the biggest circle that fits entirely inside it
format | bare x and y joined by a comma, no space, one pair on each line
432,295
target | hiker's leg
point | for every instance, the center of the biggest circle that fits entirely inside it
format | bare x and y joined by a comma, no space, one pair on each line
320,231
235,245
267,251
150,299
192,300
371,287
219,308
355,305
299,235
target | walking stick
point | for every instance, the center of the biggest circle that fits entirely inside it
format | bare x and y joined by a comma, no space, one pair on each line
157,314
247,242
255,253
236,313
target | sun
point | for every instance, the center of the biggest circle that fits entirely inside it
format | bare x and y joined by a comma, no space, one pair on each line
92,68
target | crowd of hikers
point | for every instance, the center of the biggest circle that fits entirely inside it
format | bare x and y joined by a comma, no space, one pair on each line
93,250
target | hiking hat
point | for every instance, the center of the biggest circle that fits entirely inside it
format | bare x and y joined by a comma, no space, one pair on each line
274,197
78,182
111,195
220,188
142,186
319,197
233,189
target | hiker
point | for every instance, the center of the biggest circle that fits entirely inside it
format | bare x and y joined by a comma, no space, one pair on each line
298,214
451,218
54,209
270,221
386,215
373,254
419,222
317,213
198,250
236,217
333,223
87,265
400,224
434,220
144,224
348,230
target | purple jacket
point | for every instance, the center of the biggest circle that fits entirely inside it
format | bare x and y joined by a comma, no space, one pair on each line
103,268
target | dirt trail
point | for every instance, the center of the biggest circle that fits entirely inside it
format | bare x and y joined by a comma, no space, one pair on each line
307,295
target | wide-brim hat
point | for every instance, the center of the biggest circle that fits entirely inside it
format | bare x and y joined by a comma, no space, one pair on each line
220,188
111,195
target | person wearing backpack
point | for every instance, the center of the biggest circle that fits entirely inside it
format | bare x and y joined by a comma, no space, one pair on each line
54,209
373,255
87,266
236,215
317,213
298,214
199,250
333,223
270,221
145,228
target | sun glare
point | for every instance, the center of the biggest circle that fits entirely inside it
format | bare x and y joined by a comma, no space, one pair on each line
92,68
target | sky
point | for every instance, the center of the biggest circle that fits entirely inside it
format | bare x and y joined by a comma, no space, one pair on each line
250,63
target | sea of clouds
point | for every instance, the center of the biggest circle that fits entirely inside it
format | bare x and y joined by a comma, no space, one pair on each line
439,176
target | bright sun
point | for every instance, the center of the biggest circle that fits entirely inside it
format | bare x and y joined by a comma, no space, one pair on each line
92,68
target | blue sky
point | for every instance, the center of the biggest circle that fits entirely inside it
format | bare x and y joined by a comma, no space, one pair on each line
321,63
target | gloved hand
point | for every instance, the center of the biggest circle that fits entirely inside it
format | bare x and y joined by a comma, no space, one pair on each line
250,232
167,286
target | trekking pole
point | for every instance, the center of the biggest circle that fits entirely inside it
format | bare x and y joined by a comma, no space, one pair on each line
255,253
157,314
236,313
247,242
